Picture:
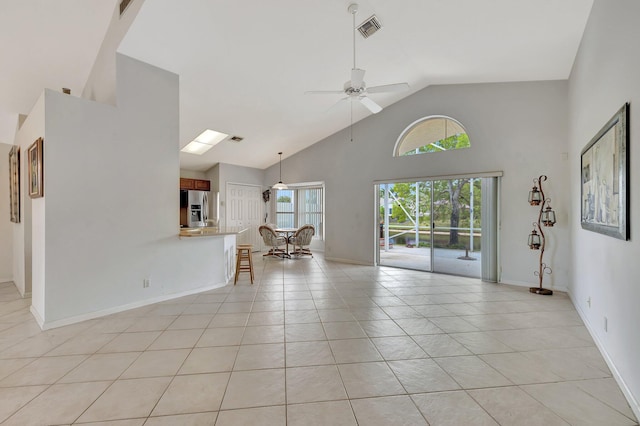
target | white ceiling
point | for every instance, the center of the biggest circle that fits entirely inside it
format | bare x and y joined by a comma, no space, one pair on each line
244,66
46,44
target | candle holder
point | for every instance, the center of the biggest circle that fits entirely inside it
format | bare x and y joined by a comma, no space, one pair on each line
537,238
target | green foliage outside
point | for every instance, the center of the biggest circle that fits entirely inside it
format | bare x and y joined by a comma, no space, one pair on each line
284,199
406,193
452,142
451,208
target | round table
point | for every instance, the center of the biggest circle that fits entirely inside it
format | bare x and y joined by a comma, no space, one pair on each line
287,233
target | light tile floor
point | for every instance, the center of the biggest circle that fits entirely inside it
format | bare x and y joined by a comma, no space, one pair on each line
314,342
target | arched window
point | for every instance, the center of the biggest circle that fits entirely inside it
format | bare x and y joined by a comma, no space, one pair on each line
431,134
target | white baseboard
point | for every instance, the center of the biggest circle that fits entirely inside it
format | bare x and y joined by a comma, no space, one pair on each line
37,316
97,314
527,284
633,402
6,280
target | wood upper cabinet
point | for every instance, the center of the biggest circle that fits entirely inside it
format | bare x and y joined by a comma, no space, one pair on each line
195,184
202,185
187,183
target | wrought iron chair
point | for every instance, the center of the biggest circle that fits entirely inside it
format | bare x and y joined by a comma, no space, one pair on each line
274,241
301,240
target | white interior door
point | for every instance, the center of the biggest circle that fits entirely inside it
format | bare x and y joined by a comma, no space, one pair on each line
245,209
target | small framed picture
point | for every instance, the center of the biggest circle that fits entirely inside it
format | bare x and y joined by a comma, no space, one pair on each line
36,169
14,184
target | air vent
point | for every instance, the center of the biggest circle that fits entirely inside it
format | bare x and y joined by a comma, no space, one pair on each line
369,27
123,5
236,139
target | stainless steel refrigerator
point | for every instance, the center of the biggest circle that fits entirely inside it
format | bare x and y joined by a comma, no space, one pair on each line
194,208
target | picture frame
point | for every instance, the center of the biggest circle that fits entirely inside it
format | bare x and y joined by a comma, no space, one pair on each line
36,169
604,166
14,184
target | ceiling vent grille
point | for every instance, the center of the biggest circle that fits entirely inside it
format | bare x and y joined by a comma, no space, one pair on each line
123,5
236,139
369,27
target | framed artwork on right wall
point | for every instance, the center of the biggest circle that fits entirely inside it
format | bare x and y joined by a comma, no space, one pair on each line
604,165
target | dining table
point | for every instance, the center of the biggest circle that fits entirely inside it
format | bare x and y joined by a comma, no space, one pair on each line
286,232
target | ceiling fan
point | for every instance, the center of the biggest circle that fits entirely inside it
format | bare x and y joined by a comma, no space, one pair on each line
356,89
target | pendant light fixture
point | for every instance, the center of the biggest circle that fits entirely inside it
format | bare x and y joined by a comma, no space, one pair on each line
280,185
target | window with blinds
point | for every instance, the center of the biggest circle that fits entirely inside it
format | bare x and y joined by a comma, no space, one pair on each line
299,206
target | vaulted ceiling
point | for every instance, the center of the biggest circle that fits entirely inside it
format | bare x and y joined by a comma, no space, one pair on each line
245,66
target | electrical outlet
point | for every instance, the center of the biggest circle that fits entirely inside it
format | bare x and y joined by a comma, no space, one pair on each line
606,325
145,283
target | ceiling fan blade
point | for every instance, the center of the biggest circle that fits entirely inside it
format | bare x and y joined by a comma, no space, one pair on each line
357,77
398,87
372,106
325,92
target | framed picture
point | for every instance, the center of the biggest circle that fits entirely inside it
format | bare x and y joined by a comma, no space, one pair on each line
36,169
604,179
14,184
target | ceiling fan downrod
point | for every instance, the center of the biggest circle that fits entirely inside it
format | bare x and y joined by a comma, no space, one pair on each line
355,88
353,9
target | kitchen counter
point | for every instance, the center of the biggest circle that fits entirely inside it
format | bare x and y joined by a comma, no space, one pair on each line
211,231
211,251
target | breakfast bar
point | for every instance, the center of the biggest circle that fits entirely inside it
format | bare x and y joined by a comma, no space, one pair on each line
211,231
215,247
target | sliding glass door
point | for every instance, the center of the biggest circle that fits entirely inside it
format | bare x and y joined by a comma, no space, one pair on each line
405,225
436,225
456,227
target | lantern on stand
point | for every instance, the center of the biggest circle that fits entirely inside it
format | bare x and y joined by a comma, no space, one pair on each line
537,237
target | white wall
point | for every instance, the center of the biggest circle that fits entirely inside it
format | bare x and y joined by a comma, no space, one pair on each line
6,228
101,84
8,127
605,76
517,128
230,173
110,212
32,128
191,174
213,175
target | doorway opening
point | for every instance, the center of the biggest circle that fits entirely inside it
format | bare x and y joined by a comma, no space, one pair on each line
439,225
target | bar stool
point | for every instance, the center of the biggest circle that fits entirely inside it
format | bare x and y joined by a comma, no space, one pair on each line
244,262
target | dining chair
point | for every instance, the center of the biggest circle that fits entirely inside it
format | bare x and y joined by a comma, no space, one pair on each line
301,240
272,240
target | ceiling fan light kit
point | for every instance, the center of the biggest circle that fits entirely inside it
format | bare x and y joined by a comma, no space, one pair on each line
356,88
